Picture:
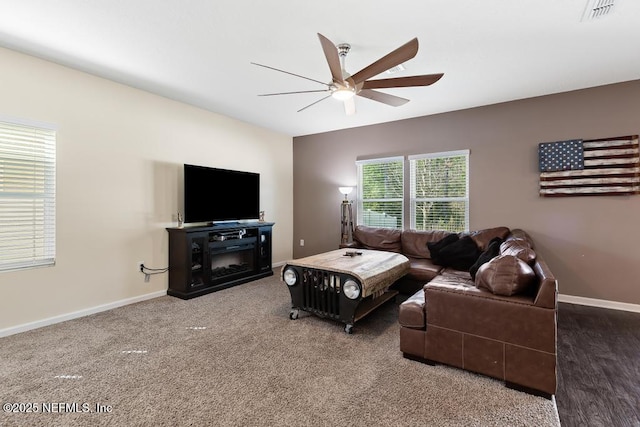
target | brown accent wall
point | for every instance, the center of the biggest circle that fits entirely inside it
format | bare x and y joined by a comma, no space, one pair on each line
591,243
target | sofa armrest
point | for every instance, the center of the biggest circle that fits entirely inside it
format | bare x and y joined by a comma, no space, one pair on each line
547,295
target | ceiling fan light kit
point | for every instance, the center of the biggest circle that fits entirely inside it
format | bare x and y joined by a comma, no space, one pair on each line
342,94
344,86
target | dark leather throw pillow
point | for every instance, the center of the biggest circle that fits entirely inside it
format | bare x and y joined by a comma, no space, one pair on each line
460,255
493,250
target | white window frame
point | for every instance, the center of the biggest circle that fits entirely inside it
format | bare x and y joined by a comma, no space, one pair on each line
360,192
33,244
412,192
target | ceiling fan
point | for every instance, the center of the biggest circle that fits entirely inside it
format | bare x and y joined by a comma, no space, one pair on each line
344,86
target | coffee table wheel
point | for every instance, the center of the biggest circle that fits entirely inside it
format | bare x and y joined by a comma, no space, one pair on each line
348,328
293,314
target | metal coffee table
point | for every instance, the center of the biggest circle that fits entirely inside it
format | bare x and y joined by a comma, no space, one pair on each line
343,285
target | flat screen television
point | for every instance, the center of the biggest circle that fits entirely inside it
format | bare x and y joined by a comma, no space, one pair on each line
217,195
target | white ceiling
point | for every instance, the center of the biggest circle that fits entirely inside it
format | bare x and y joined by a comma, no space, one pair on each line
199,51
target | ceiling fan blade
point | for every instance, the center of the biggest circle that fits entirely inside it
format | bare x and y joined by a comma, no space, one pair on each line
350,106
292,74
424,80
385,98
314,103
331,53
398,56
291,93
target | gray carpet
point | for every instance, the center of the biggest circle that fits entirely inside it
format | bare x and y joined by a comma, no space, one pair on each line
155,364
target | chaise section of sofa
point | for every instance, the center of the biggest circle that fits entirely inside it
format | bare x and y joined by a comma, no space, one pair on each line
512,338
502,323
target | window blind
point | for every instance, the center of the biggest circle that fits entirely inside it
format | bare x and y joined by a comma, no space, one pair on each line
27,195
380,192
439,191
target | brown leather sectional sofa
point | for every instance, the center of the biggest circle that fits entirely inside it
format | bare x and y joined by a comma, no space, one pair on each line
502,324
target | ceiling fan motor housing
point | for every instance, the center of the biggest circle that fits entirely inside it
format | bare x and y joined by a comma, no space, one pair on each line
347,85
343,49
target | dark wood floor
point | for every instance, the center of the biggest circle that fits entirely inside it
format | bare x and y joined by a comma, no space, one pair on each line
598,367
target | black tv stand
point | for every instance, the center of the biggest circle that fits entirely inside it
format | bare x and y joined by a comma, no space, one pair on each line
205,259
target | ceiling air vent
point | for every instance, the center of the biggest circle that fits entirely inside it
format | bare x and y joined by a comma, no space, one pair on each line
597,9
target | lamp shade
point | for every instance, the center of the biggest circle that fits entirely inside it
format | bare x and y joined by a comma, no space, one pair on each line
345,190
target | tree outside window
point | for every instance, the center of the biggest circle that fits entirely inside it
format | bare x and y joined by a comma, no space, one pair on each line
380,192
440,191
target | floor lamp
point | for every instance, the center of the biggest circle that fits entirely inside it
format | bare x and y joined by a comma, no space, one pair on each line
346,217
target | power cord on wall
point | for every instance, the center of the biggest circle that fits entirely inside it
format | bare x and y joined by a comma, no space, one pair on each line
148,272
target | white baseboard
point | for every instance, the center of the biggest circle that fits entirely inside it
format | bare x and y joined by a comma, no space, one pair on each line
76,314
613,305
278,264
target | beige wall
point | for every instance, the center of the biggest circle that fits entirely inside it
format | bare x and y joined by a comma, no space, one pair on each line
591,243
120,153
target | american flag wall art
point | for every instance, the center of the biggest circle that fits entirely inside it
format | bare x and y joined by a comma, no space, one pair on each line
608,166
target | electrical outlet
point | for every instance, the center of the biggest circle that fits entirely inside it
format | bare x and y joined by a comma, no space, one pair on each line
301,242
139,265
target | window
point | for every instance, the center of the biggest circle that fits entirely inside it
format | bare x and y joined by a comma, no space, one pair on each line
380,192
27,194
440,191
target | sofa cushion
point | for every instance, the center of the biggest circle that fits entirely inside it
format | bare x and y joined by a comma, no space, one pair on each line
518,248
423,269
414,242
460,254
382,239
493,250
454,279
505,275
411,313
484,237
